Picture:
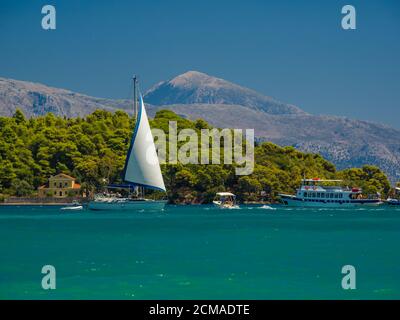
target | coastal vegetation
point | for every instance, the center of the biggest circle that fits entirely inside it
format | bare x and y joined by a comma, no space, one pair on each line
93,149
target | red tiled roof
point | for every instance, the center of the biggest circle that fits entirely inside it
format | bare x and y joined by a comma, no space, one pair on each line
77,186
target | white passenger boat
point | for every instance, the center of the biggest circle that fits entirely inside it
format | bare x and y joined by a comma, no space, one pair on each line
142,171
321,193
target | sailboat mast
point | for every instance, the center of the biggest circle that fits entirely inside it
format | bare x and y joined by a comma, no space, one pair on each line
139,190
135,113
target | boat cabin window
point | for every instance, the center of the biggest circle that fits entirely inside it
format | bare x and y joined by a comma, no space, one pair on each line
305,194
336,195
322,195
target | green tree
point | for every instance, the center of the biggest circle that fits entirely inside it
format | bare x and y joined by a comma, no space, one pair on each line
21,188
19,117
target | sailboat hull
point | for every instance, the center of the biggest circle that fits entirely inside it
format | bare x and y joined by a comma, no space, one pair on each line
127,205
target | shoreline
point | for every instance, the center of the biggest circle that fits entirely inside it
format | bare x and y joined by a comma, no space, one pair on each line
34,204
40,204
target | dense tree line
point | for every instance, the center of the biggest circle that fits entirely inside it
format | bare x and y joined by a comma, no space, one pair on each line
93,150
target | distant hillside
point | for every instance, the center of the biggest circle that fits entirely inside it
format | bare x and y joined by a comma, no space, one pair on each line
345,142
36,99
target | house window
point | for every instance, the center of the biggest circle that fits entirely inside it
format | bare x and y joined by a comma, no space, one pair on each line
65,184
55,193
61,193
55,184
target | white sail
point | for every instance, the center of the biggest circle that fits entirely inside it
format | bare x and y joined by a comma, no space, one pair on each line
142,167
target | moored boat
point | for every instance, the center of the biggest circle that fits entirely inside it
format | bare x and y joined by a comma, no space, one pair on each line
128,204
320,193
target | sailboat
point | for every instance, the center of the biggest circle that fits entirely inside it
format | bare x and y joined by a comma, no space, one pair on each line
142,170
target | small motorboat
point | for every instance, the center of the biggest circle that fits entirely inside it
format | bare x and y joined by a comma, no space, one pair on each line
394,201
74,206
225,200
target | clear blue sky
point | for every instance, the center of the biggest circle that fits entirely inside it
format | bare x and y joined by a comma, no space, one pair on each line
294,51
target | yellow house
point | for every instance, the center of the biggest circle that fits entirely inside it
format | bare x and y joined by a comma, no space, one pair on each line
60,186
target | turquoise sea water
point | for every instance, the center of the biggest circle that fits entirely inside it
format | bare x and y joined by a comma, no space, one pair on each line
200,252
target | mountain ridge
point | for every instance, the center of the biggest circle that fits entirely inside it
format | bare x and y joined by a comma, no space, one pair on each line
194,87
36,99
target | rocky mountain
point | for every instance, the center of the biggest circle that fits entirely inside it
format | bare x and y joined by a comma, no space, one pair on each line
36,99
196,87
345,142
